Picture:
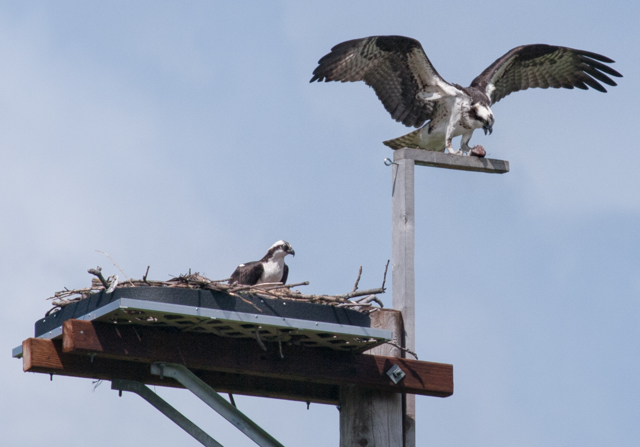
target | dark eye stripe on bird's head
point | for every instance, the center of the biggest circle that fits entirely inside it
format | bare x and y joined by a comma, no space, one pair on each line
474,114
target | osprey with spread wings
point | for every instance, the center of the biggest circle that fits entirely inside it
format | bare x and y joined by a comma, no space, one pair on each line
414,93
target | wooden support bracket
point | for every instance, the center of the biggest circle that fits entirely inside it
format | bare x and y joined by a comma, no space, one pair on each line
46,356
108,351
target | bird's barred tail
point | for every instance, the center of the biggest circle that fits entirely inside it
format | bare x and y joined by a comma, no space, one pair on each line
411,140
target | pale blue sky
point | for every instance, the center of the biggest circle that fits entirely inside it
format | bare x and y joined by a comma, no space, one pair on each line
186,135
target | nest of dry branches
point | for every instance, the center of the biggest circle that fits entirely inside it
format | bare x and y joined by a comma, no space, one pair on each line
362,300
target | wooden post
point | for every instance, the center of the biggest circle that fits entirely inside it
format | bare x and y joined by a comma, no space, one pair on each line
403,256
403,242
370,417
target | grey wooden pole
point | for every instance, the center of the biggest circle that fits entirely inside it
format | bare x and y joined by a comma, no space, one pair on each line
370,417
403,272
403,241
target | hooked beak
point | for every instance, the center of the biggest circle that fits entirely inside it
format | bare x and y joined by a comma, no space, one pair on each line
291,252
487,128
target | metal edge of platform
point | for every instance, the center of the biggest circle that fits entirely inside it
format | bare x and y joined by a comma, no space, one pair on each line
16,352
268,320
57,332
241,317
206,299
94,314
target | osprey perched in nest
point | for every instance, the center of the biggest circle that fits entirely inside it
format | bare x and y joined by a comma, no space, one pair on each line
413,92
271,268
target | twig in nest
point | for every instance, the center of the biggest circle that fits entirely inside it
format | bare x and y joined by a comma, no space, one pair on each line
368,299
364,301
355,286
144,278
98,272
280,343
282,286
114,263
61,303
347,296
264,348
395,345
113,282
66,292
384,279
241,287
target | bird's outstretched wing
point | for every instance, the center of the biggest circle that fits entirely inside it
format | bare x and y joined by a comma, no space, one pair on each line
398,70
247,274
544,66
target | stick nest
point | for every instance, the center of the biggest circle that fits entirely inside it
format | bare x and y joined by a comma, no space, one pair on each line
361,300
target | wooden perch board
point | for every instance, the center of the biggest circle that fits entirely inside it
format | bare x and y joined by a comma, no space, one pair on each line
457,162
207,353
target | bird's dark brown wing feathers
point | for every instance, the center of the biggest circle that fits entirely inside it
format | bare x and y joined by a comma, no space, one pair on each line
285,274
545,66
396,67
247,274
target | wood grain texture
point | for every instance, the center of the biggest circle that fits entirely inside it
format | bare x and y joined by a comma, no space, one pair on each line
449,161
370,417
39,354
403,248
243,356
403,259
48,357
389,319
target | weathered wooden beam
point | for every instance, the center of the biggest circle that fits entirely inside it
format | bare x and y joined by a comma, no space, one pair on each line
403,262
47,357
403,240
403,248
245,356
448,161
370,416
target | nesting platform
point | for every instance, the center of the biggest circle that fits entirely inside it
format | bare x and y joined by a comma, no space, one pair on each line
225,315
238,344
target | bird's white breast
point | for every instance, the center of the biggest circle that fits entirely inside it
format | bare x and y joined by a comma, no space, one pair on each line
272,270
450,113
